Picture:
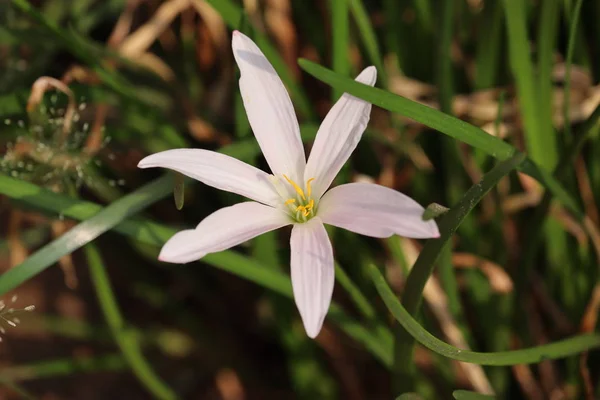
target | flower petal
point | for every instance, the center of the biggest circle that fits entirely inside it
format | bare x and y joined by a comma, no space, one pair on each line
376,211
269,110
312,273
219,171
338,136
221,230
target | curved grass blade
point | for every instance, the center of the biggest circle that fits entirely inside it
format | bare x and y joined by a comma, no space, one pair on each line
424,265
468,395
83,233
552,351
444,123
126,339
378,341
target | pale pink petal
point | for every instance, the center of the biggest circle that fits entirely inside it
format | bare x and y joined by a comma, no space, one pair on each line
269,110
312,273
338,136
221,230
217,170
376,211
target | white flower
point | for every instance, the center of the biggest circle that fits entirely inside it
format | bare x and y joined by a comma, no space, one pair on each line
296,193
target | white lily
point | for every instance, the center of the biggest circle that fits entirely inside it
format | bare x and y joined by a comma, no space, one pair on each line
296,192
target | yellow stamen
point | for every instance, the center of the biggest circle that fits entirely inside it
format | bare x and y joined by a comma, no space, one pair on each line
296,187
308,189
289,201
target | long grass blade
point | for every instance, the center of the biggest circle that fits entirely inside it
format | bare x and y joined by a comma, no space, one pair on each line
556,350
443,123
83,233
424,265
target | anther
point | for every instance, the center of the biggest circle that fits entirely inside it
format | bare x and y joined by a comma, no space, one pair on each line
308,189
296,187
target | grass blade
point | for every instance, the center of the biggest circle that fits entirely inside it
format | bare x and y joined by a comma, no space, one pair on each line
568,63
340,31
369,38
83,233
444,123
424,265
541,144
546,43
489,47
64,367
552,351
126,339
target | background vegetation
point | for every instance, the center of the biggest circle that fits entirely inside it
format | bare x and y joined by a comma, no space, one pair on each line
489,108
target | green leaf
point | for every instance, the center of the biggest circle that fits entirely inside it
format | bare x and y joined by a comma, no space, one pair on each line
541,144
369,38
64,367
559,349
125,338
424,265
83,233
568,63
444,123
468,395
340,30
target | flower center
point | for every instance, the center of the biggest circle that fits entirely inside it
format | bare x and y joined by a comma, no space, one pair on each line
303,206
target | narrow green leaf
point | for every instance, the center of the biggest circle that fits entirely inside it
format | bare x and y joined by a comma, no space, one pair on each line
83,233
489,46
468,395
444,58
424,265
340,31
574,20
16,388
369,39
541,144
560,349
443,123
546,44
125,338
358,298
64,367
